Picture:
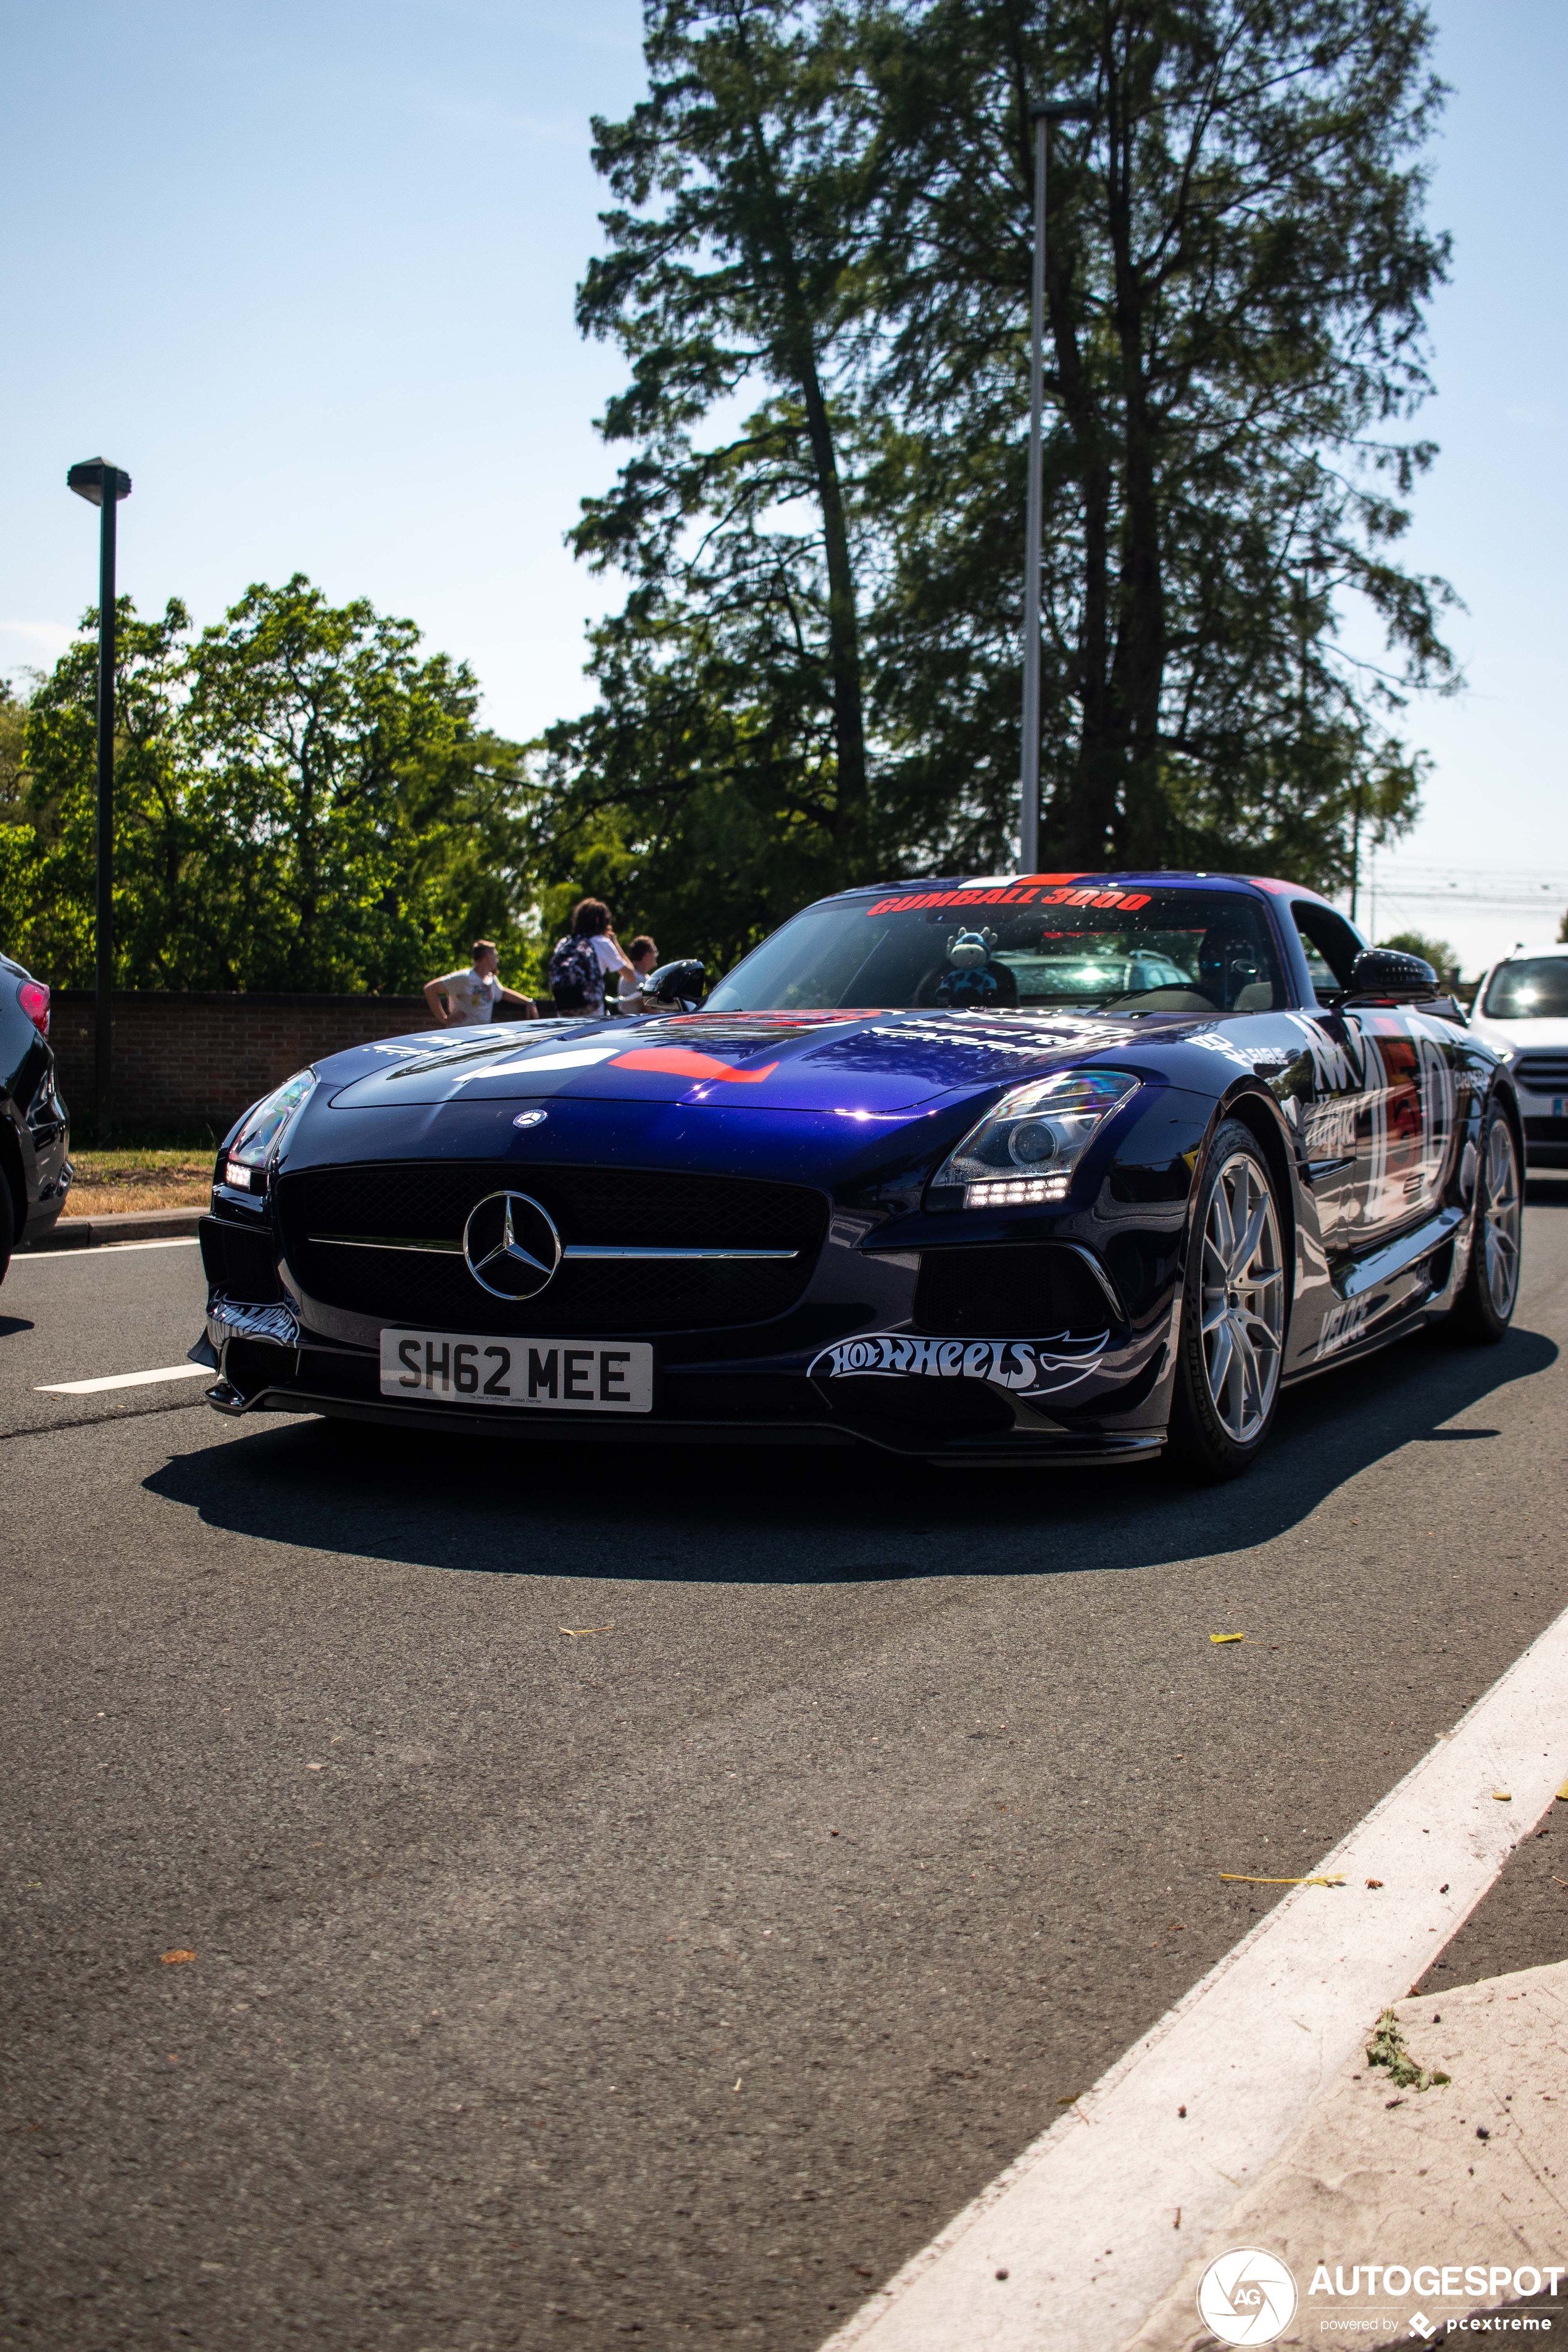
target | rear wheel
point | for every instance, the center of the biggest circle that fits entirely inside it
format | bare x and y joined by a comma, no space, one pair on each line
1232,1314
7,1230
1484,1308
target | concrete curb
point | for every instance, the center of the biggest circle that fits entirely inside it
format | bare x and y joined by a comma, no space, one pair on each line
136,1226
1467,2173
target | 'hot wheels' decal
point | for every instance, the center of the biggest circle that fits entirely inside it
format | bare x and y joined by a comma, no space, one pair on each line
1027,1367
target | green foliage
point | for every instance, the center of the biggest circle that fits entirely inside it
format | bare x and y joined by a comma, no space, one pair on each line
817,269
1437,952
727,760
302,801
155,841
1387,2048
12,733
1236,263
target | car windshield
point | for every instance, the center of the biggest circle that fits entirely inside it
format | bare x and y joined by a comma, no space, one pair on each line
1533,989
996,948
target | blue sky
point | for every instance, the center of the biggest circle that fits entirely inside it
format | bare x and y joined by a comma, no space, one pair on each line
308,273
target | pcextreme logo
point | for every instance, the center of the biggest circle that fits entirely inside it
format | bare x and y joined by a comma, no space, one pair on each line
1246,2297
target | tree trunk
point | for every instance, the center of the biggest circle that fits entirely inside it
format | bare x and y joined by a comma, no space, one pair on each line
798,355
843,625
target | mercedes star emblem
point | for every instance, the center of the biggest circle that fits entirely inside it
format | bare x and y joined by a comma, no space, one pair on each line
510,1246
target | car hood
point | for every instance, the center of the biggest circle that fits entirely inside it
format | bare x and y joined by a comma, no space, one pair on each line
868,1064
1521,1034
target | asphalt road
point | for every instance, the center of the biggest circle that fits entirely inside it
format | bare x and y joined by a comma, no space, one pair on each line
675,1980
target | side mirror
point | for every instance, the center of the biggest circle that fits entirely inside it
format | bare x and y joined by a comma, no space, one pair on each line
680,986
1392,976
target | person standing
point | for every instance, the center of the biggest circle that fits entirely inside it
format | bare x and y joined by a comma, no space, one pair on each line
472,996
585,957
643,956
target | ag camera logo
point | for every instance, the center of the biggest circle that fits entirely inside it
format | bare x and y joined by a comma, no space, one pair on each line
1246,2297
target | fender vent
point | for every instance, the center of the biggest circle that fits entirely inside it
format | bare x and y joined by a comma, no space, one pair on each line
1013,1290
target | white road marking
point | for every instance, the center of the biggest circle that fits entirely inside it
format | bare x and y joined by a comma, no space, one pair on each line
125,1381
1075,2242
92,1250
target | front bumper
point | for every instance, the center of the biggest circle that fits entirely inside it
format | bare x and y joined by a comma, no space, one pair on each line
1016,1337
931,1398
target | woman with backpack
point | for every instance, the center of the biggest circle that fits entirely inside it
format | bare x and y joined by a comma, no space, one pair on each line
587,956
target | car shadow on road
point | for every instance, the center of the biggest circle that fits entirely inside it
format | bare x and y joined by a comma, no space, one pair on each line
744,1516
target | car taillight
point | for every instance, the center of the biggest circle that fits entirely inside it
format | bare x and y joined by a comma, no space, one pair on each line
34,1000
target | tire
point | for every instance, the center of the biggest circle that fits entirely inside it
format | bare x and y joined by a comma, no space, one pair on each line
1484,1308
8,1226
1233,1299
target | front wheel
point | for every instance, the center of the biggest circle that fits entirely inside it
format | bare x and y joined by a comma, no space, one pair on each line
1232,1314
1484,1308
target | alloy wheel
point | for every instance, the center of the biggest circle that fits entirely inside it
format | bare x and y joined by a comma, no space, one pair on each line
1243,1288
1500,1220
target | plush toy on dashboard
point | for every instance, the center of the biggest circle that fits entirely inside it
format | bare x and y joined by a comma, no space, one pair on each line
969,985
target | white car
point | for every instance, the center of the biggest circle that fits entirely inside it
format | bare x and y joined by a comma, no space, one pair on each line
1521,1011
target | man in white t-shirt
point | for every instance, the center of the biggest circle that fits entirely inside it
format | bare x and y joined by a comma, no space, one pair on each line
472,996
643,956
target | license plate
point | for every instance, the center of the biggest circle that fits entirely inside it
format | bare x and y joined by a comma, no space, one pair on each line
569,1375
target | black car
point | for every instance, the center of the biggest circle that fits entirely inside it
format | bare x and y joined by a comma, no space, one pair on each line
1057,1168
35,1139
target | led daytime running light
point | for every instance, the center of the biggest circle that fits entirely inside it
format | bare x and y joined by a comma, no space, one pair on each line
1024,1152
263,1131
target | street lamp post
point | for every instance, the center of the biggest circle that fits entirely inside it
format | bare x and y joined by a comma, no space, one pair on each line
103,486
1042,116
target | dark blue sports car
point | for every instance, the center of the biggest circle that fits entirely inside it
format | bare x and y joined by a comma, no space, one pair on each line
1062,1168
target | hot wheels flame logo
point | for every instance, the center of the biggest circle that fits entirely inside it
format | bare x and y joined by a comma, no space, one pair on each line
1027,1367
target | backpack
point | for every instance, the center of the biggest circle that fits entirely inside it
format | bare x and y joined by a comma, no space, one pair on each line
576,978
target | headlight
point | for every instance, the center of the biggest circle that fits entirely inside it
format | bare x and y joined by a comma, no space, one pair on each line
1026,1148
261,1137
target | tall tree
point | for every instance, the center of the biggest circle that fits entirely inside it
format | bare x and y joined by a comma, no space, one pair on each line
737,665
841,196
1237,263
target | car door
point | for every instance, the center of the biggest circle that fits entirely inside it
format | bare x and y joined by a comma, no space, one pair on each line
1336,1100
1408,1131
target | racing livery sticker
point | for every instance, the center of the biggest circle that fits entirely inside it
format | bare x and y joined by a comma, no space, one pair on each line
1029,1368
683,1062
1091,894
1343,1326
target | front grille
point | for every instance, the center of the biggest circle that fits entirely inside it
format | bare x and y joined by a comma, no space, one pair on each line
1543,1074
1022,1290
624,1207
1546,1131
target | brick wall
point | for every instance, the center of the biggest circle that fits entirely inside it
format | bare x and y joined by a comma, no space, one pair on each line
180,1060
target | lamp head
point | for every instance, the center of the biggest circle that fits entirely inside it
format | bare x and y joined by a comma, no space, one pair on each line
90,478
